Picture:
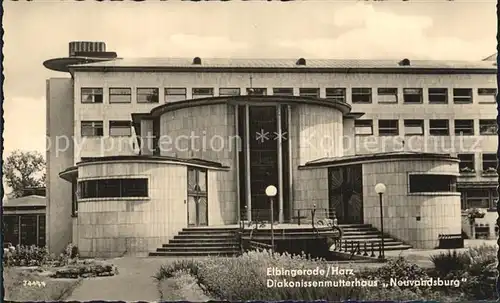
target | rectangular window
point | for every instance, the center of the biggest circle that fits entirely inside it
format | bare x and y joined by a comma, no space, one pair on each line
120,128
120,95
147,95
466,164
204,92
175,94
462,95
414,127
439,128
464,127
432,183
361,95
229,92
283,91
92,95
489,163
478,198
438,95
92,128
114,188
388,127
363,127
309,92
74,199
336,94
487,95
11,229
412,95
256,91
387,95
488,127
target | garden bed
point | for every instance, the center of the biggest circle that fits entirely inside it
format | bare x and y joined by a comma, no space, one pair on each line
245,278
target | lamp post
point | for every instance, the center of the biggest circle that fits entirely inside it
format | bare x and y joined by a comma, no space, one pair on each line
271,192
380,190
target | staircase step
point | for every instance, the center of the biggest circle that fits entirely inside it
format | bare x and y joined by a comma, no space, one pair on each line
206,233
365,238
198,249
202,245
353,233
201,240
208,229
218,237
194,253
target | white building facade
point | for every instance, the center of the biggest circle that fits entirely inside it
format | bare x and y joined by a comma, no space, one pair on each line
331,109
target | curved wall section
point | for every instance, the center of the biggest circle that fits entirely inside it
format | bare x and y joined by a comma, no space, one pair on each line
206,132
415,218
109,227
319,132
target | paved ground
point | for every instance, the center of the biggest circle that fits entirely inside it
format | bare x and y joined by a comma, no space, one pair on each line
133,283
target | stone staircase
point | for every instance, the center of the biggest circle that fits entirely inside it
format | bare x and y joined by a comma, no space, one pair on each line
201,241
222,241
366,233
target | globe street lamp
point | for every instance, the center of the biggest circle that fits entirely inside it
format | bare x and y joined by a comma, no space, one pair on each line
380,190
271,192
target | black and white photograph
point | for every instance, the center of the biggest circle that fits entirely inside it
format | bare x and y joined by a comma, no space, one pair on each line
250,150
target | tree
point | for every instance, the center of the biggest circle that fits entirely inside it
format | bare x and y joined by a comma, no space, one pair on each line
23,170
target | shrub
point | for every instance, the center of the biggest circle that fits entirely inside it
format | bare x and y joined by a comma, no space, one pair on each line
26,256
450,262
481,274
83,270
400,270
475,268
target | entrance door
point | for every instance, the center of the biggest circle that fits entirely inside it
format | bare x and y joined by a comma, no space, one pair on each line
346,193
263,160
197,197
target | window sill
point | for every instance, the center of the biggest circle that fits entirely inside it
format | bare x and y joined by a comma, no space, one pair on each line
435,194
439,103
382,102
414,135
468,175
115,199
489,174
488,134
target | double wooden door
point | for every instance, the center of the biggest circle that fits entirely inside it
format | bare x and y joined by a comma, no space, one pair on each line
197,197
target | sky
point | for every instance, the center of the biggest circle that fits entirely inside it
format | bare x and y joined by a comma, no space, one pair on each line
40,30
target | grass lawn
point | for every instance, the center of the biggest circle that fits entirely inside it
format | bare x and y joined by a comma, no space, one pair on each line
16,283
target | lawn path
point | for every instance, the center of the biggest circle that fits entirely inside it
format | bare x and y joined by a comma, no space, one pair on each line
133,283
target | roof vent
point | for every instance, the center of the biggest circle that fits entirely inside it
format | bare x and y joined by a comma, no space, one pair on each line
404,62
197,60
301,61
